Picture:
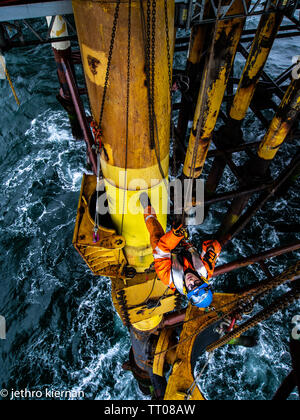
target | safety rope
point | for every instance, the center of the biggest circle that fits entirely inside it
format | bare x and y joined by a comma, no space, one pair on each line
9,80
192,388
242,304
127,125
279,304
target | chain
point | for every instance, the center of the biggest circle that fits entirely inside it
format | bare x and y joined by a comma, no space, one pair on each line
170,86
192,388
127,106
148,73
97,128
153,57
111,48
292,273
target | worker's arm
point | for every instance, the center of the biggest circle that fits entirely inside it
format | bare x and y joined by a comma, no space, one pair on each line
163,258
211,251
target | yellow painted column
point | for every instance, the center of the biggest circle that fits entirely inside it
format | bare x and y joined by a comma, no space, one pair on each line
282,122
257,168
193,68
137,166
259,53
228,34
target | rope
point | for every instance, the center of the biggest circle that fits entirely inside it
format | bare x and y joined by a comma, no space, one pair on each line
9,80
198,377
279,304
292,273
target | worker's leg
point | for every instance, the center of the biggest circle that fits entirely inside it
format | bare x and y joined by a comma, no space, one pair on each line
154,227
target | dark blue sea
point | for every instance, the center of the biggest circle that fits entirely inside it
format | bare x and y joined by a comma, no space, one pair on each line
63,332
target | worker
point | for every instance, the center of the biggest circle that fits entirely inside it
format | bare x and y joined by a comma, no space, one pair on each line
185,271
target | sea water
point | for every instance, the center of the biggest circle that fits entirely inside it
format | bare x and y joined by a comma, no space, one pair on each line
63,333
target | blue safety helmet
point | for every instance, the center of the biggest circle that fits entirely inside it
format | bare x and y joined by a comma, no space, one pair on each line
201,297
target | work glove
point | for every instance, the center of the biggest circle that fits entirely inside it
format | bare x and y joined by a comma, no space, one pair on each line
179,230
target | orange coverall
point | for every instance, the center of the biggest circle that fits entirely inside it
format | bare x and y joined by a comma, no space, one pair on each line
163,243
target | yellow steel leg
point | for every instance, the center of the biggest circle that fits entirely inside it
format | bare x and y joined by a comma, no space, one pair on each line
228,34
259,53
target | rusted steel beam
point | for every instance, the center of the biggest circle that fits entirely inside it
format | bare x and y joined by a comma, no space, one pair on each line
57,24
218,198
295,353
279,129
215,78
80,113
174,318
242,222
253,259
293,379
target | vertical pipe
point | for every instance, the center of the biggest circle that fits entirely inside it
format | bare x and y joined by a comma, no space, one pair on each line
228,34
3,38
280,127
124,163
80,113
231,134
257,168
62,50
261,47
193,72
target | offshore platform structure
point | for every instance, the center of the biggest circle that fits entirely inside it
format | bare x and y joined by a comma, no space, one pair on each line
126,52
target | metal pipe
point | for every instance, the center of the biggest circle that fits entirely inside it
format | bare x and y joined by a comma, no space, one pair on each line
173,318
193,71
281,124
259,53
225,43
58,27
253,259
258,167
80,113
232,134
241,222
